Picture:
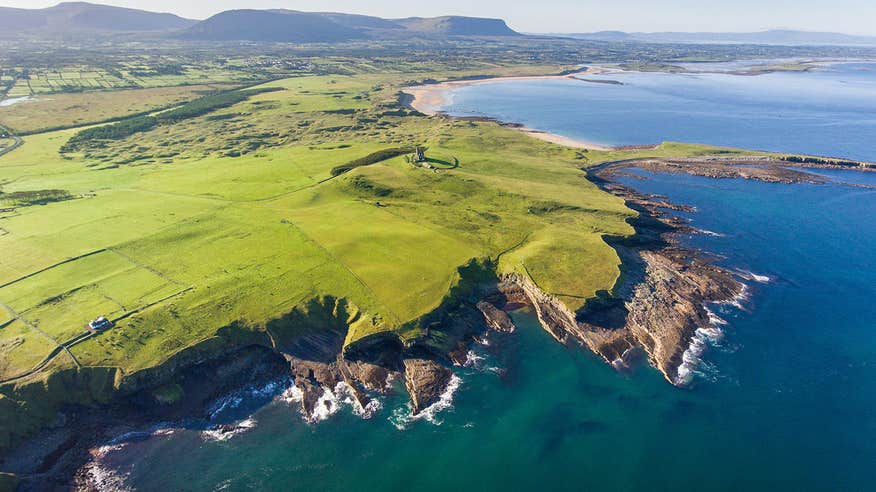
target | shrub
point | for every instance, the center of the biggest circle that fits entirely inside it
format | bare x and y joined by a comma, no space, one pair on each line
125,128
34,197
373,158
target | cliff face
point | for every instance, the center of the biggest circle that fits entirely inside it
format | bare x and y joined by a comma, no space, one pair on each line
661,316
669,306
657,307
561,323
656,311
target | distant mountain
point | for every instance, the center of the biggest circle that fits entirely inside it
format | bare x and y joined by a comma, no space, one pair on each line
361,21
277,25
777,37
317,27
458,26
73,17
285,26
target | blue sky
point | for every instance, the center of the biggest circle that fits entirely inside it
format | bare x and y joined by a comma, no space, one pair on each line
850,16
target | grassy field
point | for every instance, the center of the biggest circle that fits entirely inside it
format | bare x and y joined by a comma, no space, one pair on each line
133,72
80,108
235,218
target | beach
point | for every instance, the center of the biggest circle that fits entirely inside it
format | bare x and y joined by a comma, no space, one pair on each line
428,99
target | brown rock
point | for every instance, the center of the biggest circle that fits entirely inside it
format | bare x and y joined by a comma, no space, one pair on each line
425,380
496,318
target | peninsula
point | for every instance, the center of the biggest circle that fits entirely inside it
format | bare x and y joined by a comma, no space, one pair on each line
180,226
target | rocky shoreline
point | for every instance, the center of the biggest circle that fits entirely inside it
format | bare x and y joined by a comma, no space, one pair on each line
653,313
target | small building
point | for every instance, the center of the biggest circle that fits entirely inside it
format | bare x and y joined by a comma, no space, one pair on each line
99,324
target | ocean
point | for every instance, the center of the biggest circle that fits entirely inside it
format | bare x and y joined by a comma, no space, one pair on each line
784,396
828,112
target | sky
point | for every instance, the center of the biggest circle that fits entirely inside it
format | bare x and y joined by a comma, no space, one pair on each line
848,16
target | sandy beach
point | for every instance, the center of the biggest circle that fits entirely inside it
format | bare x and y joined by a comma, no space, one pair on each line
427,99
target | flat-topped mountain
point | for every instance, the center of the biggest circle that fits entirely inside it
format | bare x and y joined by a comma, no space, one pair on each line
275,25
303,27
271,26
70,17
459,26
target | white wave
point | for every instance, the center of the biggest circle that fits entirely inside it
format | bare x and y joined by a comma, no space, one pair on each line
402,417
738,299
691,359
715,319
333,400
347,396
326,406
122,440
234,400
692,363
482,341
292,394
473,360
761,279
390,379
710,233
225,433
220,405
478,362
104,450
223,485
103,479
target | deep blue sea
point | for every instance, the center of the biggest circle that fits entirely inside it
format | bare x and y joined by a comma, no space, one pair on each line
785,400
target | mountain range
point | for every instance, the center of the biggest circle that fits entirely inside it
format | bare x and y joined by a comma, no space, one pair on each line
71,18
775,36
82,18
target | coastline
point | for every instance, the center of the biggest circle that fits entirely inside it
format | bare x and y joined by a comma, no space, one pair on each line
428,97
561,140
647,257
642,322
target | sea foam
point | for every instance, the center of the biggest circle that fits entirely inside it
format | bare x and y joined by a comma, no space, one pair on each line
692,363
226,433
403,416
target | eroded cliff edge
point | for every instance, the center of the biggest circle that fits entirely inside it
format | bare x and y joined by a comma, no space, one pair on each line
654,311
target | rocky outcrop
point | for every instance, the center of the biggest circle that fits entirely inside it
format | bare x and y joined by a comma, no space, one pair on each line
751,168
425,380
669,305
662,300
770,169
495,318
610,344
372,377
661,314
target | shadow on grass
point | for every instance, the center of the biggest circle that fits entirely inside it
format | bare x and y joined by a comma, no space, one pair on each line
444,164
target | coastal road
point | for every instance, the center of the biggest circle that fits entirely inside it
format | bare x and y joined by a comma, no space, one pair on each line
16,141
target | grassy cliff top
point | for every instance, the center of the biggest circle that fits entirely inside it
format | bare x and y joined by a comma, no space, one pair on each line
234,217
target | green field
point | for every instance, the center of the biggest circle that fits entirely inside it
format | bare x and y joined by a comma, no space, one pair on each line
215,226
80,108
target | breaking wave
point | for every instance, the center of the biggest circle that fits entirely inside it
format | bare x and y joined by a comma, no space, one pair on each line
226,432
402,417
332,401
103,479
707,232
692,364
251,394
747,275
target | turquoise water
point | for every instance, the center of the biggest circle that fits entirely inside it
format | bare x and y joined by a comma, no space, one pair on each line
786,400
830,112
